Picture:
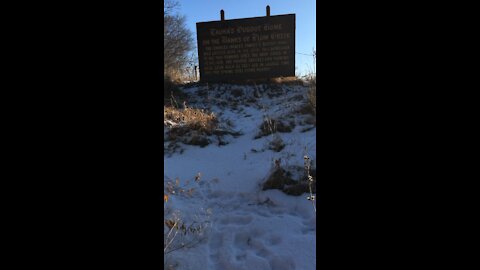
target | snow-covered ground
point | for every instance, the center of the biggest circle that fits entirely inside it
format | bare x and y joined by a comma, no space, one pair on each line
247,228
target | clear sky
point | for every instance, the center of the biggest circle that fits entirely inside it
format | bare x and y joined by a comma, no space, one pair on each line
305,10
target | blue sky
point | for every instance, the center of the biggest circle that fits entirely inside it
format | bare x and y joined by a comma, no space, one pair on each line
305,10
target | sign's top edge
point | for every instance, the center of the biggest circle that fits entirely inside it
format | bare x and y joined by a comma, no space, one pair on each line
248,18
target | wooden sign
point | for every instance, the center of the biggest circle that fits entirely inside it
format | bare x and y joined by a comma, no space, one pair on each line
250,48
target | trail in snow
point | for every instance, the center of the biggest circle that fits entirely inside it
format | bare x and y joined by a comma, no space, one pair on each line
250,228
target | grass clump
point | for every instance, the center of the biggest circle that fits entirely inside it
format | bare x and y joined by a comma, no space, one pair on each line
287,179
189,126
278,179
287,81
276,144
190,119
271,126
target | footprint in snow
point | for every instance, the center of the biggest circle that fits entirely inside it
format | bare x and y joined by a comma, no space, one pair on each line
216,240
274,240
236,220
309,226
282,263
251,250
242,240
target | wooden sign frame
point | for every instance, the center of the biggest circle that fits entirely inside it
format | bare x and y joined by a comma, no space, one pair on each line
244,49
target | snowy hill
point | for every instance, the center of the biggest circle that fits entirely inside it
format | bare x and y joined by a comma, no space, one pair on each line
214,186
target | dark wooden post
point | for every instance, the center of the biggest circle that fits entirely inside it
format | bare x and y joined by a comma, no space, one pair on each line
222,15
268,11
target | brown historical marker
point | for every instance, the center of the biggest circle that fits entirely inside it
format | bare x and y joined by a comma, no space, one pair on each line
250,48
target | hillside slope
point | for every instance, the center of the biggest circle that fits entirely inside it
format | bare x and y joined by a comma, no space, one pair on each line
218,183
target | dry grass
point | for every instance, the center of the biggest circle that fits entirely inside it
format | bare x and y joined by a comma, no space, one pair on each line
190,119
272,126
312,95
172,92
287,80
170,89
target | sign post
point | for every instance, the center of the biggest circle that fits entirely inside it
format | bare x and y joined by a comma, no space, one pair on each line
244,49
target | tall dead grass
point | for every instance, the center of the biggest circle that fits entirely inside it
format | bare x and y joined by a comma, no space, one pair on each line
190,118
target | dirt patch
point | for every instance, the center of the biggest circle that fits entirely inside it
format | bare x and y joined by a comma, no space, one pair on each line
278,179
297,189
283,180
276,144
199,140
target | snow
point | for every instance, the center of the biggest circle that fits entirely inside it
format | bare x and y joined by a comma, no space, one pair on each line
247,228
